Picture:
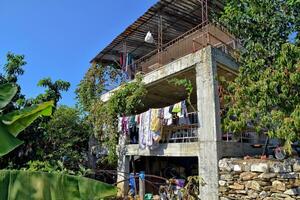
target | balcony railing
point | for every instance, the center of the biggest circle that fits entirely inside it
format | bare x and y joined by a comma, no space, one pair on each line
182,130
185,131
195,39
180,133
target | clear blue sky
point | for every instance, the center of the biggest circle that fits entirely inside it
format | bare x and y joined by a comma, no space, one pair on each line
60,37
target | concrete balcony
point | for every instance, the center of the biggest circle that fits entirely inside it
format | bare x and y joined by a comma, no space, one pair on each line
192,149
189,149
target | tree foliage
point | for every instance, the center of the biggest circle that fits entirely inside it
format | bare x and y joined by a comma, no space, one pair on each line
66,138
13,68
102,116
187,84
123,102
91,87
33,136
266,22
53,89
265,96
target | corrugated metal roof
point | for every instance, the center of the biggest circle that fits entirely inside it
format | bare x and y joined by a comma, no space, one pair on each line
178,16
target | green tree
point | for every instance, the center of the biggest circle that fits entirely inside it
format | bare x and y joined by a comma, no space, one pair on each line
265,95
33,139
265,22
34,136
13,68
53,89
66,138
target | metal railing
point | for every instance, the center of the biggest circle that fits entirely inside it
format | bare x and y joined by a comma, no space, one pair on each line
191,41
181,132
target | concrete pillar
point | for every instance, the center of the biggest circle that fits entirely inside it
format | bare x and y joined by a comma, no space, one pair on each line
123,168
209,124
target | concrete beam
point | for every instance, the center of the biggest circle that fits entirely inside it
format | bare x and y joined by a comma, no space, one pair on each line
225,60
178,66
190,149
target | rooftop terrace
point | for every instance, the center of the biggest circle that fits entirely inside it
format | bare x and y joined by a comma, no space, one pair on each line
179,27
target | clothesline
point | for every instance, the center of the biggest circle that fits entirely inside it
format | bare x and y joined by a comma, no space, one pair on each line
146,128
127,64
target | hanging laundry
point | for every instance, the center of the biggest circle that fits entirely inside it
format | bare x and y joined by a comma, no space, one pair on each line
177,108
120,124
156,126
167,116
133,135
131,121
125,125
124,60
132,65
144,130
148,132
155,120
132,129
183,115
129,59
121,60
127,62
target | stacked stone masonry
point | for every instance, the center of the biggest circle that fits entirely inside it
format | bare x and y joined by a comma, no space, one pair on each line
259,179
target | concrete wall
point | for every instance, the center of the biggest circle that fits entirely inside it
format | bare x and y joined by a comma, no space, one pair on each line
228,149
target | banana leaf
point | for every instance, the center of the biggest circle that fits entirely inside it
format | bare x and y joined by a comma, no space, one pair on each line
18,120
8,91
8,142
14,122
20,185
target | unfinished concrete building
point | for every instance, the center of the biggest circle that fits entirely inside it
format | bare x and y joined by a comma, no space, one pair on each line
183,43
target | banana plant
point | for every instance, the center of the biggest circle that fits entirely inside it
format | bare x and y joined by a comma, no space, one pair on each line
13,123
20,185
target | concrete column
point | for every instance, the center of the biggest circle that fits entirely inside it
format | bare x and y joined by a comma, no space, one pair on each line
209,124
123,168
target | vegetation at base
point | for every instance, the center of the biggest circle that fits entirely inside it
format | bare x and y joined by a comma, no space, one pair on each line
265,96
54,186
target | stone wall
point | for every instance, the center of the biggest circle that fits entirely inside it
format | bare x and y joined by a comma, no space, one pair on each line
259,179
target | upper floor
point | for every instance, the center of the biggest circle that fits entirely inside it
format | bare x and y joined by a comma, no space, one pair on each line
175,39
170,29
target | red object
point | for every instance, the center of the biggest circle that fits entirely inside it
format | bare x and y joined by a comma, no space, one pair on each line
264,157
121,60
